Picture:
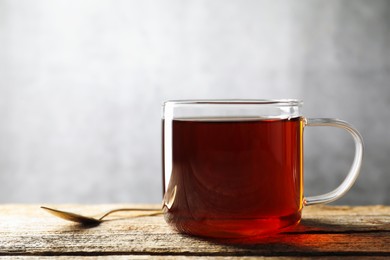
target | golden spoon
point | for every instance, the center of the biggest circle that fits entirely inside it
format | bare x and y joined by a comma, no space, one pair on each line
90,221
168,202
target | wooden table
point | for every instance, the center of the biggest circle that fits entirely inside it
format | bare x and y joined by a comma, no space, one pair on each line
327,231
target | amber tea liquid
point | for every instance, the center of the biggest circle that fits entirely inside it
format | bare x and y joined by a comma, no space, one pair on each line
235,176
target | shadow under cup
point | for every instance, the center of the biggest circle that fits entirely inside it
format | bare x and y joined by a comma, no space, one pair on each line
233,176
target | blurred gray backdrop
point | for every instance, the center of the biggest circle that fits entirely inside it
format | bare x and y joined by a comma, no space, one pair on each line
82,83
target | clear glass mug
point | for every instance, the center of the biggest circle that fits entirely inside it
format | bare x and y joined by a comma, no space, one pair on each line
234,168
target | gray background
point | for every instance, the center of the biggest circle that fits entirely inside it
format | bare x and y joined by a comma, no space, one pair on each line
82,83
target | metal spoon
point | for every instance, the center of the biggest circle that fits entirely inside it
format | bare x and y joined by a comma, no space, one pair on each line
90,221
169,200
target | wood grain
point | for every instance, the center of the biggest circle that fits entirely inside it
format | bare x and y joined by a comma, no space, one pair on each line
327,231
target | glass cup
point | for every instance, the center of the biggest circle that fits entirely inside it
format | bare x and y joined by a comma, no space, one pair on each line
234,168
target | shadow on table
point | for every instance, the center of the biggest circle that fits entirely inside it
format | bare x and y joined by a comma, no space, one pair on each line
315,237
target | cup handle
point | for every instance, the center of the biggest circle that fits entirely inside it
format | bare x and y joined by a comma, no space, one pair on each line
355,168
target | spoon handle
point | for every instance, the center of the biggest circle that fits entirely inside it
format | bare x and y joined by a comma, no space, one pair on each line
156,212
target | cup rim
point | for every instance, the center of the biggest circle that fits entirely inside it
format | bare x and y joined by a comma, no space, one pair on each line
278,102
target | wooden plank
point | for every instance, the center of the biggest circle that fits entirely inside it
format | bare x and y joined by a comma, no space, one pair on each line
136,257
324,231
